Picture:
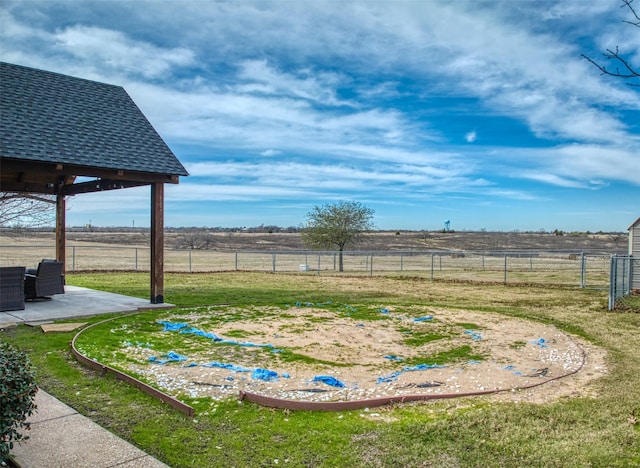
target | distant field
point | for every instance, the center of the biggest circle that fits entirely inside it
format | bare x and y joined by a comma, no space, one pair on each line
202,239
461,256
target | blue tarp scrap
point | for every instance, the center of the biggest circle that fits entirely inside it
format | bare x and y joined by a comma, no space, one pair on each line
421,367
473,362
257,374
170,326
249,344
264,374
542,343
198,332
176,357
388,378
221,365
384,311
394,376
171,356
423,319
512,368
187,329
267,375
393,357
329,380
473,334
246,343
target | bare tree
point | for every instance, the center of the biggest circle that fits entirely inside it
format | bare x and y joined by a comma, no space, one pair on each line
622,67
32,210
337,225
194,239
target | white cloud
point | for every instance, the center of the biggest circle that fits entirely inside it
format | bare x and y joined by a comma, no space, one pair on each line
470,137
259,77
114,50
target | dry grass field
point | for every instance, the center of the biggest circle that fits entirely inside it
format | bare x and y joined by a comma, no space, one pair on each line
377,241
495,257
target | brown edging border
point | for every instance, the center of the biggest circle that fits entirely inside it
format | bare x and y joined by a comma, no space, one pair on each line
148,389
383,401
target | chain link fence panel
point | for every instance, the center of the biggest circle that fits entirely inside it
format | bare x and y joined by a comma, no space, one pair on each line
588,270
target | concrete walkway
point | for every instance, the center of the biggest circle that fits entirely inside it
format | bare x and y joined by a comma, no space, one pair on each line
60,437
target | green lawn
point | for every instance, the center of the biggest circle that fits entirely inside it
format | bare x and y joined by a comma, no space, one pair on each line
595,431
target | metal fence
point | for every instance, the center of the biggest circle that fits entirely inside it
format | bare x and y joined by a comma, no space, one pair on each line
621,273
588,270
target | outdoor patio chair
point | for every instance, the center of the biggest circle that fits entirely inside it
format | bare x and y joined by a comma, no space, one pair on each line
45,281
11,288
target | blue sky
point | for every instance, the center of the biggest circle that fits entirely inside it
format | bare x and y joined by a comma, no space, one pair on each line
478,112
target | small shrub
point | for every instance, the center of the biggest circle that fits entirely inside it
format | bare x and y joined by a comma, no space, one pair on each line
17,391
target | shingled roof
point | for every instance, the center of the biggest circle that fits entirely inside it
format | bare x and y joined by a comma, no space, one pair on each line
53,118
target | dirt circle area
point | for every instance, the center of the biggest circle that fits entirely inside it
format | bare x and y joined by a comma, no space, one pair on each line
408,351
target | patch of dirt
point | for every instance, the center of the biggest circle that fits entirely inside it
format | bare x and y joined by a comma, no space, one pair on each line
376,358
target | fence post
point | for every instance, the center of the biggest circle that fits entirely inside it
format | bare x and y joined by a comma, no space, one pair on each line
73,256
371,264
401,269
483,262
236,261
505,269
432,254
318,264
626,278
273,262
136,259
612,282
190,250
583,265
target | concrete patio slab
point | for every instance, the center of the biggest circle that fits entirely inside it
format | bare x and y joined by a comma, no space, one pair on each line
76,302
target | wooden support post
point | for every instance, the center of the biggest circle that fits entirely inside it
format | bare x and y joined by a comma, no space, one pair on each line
157,243
60,230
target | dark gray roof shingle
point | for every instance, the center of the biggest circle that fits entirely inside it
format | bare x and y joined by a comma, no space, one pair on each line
56,118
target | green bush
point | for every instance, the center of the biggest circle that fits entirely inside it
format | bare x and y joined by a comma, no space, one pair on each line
17,391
